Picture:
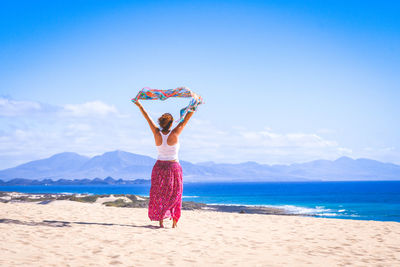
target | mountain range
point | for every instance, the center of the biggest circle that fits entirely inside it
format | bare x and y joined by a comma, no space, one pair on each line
128,166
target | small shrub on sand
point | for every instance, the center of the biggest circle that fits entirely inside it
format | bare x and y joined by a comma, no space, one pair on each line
117,203
87,199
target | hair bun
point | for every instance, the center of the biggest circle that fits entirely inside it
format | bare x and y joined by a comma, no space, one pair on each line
165,121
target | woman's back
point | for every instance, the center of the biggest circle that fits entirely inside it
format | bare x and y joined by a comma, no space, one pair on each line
165,151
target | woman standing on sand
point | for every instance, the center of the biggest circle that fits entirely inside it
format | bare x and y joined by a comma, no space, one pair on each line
166,176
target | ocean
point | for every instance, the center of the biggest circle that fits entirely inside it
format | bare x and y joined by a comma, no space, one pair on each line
366,200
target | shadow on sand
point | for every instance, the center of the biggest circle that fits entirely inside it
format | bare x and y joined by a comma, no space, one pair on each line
53,223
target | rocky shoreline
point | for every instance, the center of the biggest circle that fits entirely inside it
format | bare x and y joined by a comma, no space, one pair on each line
131,201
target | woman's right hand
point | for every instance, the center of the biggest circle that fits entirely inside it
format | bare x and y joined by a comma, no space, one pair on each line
137,103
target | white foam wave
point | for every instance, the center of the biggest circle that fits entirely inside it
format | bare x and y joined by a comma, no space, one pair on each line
318,210
245,205
304,210
326,214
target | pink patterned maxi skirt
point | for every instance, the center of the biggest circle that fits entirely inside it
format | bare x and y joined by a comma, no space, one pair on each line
166,191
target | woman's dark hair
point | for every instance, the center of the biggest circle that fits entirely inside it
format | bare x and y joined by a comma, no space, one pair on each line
165,121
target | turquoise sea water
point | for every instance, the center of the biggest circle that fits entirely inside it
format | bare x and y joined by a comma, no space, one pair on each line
349,200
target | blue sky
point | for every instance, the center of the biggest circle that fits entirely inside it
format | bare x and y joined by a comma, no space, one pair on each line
283,81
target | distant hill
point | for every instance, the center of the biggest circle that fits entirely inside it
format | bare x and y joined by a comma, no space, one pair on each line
129,166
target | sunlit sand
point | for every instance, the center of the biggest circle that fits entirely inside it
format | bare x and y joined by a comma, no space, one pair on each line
68,233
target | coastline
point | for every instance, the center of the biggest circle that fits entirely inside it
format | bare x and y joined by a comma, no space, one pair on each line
135,201
344,200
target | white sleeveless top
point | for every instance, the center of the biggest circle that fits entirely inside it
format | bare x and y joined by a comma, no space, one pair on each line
165,151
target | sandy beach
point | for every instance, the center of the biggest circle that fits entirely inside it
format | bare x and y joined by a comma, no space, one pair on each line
69,233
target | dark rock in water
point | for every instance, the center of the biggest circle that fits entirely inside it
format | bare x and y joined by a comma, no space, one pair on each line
248,209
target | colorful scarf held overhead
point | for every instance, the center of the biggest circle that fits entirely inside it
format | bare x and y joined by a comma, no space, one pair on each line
151,94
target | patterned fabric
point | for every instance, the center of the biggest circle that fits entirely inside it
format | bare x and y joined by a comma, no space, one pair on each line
151,94
166,191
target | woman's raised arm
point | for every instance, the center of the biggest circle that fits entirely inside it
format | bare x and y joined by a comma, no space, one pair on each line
152,125
178,129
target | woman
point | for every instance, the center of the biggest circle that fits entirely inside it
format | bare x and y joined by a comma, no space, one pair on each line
166,176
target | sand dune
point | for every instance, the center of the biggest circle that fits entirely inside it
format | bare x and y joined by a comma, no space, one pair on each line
68,233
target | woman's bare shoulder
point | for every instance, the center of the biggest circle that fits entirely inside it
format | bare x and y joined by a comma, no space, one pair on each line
157,133
174,132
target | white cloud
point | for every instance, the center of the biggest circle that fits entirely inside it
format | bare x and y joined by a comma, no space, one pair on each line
10,108
93,108
271,139
204,141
